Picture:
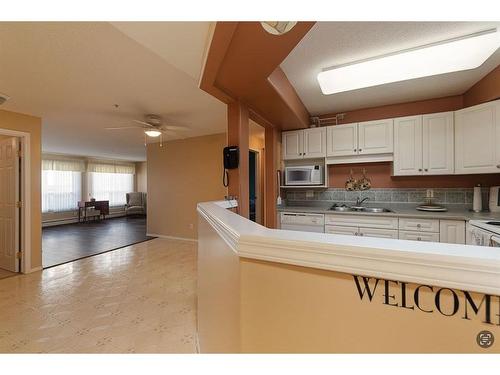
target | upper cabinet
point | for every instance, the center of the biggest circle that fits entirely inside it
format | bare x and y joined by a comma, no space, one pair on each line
423,145
364,138
477,139
307,143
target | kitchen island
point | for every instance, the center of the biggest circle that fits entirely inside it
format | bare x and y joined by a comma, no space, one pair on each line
268,290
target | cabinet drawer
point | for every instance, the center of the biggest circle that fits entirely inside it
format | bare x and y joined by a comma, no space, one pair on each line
420,225
364,221
419,236
379,233
334,229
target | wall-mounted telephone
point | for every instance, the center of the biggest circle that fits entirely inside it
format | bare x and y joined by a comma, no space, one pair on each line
231,155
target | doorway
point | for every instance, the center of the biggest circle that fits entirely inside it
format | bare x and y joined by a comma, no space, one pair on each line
10,207
253,187
256,168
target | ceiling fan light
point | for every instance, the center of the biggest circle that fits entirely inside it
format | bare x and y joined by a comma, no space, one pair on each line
153,133
278,27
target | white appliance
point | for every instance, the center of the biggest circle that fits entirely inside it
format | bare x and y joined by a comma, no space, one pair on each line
494,203
303,222
304,175
483,233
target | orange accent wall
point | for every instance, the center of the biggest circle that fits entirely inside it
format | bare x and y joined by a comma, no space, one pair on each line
380,175
449,103
485,90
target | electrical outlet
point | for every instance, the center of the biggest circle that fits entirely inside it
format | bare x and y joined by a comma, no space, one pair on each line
309,193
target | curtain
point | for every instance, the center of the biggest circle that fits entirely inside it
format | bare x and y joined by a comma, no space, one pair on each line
111,186
61,190
110,167
63,165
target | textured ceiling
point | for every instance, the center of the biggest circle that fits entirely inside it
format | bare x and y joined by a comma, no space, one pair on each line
335,43
72,74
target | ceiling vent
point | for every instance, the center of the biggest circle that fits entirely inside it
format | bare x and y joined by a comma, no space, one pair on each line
3,98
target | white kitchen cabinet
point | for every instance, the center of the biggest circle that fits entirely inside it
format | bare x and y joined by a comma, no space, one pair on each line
302,144
336,229
419,236
375,137
438,143
315,143
420,225
342,140
477,139
408,146
452,231
368,221
424,145
378,233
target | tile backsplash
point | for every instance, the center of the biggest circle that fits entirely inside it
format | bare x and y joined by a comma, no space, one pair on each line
387,195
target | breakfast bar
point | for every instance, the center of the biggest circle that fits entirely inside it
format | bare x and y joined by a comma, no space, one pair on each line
270,290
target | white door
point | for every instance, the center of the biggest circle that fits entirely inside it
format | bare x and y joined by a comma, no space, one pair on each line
9,213
438,143
408,146
292,144
315,143
452,231
375,137
342,140
378,233
477,139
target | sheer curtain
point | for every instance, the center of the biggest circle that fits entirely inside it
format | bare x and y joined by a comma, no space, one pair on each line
61,190
111,186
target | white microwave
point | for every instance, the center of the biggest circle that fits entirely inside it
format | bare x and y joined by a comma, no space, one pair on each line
305,175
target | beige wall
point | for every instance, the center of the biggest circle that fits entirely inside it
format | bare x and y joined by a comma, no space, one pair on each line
179,175
33,126
141,177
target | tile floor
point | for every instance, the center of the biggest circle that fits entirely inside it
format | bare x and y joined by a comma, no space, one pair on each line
138,299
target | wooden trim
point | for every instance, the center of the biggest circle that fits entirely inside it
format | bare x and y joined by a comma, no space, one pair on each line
238,135
271,188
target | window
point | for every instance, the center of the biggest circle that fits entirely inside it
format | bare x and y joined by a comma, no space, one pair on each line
61,190
111,186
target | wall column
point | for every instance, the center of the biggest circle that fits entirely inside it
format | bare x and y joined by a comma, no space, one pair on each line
271,167
237,135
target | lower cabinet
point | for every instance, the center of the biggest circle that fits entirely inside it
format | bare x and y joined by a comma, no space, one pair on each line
452,231
335,229
357,231
418,236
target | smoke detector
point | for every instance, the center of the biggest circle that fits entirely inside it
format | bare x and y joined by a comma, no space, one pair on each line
3,98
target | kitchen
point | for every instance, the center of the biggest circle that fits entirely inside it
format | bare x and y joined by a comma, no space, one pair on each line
423,170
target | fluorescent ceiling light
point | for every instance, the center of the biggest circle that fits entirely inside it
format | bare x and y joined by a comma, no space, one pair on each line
152,133
467,52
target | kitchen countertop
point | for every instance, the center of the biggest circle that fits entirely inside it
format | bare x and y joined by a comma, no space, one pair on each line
455,212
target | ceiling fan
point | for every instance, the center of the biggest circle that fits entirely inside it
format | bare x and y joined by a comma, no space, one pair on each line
153,127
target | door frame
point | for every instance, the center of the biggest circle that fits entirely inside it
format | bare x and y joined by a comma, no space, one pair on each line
25,223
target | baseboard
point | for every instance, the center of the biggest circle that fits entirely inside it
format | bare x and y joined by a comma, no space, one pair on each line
73,220
172,237
35,269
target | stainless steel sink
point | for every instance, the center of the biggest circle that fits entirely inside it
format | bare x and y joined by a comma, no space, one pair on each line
341,208
375,209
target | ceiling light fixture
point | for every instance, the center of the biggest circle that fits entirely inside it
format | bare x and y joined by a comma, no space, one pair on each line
152,133
278,27
3,98
463,53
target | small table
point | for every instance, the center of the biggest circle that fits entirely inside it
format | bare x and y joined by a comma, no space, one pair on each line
102,206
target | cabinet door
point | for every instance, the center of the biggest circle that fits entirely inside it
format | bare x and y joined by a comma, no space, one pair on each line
419,236
408,146
477,139
342,140
419,225
335,229
292,144
315,143
437,138
452,231
375,137
378,233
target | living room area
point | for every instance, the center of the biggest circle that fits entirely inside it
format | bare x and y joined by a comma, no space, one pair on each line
90,206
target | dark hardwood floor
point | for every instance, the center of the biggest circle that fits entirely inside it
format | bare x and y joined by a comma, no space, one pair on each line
65,243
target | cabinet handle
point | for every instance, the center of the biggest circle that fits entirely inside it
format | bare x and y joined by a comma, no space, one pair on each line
355,150
498,166
360,150
426,170
420,169
419,225
361,234
356,234
419,238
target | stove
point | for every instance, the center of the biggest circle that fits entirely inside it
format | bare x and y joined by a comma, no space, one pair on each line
483,233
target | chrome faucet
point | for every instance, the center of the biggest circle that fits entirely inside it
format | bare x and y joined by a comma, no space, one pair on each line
360,202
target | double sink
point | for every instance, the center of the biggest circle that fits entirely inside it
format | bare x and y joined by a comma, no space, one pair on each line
373,210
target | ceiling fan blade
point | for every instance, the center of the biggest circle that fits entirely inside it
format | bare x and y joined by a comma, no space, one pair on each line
175,127
124,127
144,123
